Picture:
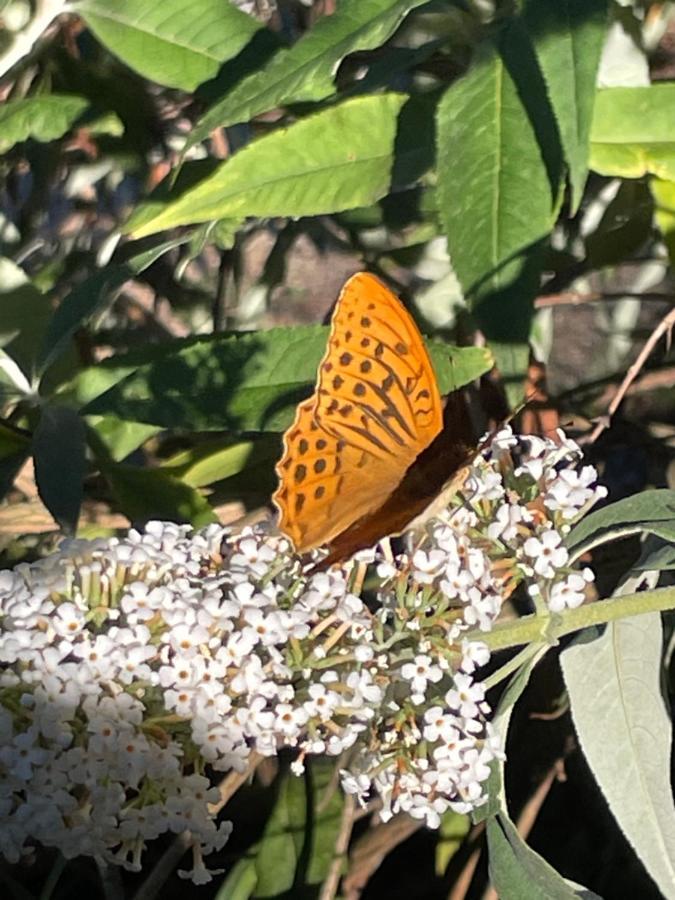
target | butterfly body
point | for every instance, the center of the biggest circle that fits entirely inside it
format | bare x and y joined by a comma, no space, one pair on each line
367,452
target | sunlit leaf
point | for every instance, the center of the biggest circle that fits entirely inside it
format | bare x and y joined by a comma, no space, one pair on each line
173,43
306,71
336,159
43,118
649,511
664,198
632,133
499,181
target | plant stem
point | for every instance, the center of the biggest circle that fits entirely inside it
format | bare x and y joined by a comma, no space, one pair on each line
515,633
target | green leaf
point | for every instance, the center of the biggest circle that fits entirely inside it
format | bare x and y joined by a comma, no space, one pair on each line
633,132
41,118
173,43
59,455
306,71
281,844
248,381
223,459
240,881
336,159
518,873
144,494
501,720
78,306
454,828
324,827
119,436
499,163
664,198
652,512
614,686
14,450
24,316
499,184
568,36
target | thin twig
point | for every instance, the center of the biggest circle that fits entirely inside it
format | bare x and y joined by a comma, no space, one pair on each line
330,886
371,849
229,786
573,298
665,326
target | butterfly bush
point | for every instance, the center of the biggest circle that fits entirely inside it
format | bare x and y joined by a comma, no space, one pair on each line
134,669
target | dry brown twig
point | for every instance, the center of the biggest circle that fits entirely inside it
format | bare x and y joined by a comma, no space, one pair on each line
665,326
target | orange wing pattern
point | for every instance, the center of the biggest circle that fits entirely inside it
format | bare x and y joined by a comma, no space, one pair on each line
375,409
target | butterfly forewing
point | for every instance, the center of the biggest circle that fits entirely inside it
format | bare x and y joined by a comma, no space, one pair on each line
375,409
376,386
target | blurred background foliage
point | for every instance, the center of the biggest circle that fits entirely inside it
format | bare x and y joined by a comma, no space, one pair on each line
185,186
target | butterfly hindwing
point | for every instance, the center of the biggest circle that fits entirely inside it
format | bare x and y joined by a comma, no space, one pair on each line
318,474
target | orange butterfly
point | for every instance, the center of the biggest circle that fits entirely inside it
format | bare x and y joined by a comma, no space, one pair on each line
367,453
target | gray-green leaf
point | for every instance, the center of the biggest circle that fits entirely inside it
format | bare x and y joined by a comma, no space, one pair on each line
614,685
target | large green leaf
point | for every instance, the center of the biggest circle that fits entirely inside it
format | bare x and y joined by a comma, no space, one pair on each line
652,512
59,457
499,164
499,180
568,37
306,71
174,43
41,118
243,382
336,159
119,436
327,802
633,132
624,728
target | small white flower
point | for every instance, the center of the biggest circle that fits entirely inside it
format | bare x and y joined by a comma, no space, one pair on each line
567,594
547,553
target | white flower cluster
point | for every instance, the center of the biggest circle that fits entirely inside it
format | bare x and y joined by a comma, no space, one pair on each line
504,527
130,665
